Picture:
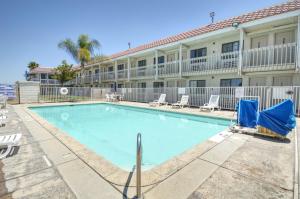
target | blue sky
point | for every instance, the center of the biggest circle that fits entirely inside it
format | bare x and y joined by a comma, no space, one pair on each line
31,29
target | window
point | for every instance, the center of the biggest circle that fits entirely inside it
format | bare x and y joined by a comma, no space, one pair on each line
158,84
230,47
43,76
97,71
201,52
141,85
121,67
110,68
161,60
90,73
197,83
142,63
120,85
231,82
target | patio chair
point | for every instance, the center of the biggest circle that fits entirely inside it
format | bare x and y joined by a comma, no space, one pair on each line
161,101
8,144
3,111
108,97
182,103
3,120
212,104
3,100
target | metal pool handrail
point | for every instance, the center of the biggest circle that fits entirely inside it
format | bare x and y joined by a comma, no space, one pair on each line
138,165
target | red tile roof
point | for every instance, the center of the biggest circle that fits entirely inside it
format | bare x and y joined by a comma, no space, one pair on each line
48,70
259,14
42,70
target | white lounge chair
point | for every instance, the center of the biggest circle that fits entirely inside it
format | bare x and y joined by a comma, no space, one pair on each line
212,104
161,101
108,97
3,120
3,111
8,143
3,100
182,103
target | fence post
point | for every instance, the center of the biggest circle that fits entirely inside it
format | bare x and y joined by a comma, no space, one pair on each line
241,51
91,93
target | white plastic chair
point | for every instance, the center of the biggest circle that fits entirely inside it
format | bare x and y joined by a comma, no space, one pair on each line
108,97
161,101
3,100
212,104
182,103
8,143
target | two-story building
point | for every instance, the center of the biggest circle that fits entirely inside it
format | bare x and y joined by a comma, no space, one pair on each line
255,49
42,75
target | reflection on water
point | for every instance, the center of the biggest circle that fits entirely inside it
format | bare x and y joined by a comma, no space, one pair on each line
162,117
184,120
64,116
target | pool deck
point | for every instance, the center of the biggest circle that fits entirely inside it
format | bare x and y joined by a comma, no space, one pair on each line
48,164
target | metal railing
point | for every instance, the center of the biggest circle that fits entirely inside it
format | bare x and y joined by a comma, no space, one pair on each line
122,74
278,57
269,58
139,166
168,69
229,96
108,75
45,81
215,63
142,72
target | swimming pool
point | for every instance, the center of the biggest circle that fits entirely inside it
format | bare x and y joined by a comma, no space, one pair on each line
110,131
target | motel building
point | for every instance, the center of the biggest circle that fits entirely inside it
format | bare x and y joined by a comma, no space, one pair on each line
255,49
42,75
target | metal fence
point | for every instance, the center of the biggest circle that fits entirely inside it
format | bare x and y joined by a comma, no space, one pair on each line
229,96
54,94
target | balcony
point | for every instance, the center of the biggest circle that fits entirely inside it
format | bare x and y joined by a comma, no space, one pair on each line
122,74
279,57
270,58
96,78
213,64
108,76
45,81
143,72
168,69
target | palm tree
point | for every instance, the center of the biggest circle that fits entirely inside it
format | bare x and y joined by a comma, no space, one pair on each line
64,72
32,65
82,50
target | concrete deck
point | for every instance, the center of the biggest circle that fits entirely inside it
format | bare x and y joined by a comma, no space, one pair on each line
240,166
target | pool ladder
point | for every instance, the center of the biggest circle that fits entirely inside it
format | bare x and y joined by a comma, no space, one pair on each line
138,166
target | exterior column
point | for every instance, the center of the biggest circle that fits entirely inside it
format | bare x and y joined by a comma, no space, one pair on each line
298,45
116,70
99,73
180,60
156,64
241,51
271,43
128,68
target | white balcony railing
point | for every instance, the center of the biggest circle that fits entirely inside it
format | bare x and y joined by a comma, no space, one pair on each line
45,81
222,62
123,74
279,57
106,76
142,72
96,77
168,69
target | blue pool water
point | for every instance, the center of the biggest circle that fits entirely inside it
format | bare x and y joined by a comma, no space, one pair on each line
110,131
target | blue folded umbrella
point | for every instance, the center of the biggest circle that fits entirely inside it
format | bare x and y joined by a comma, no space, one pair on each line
247,111
279,118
